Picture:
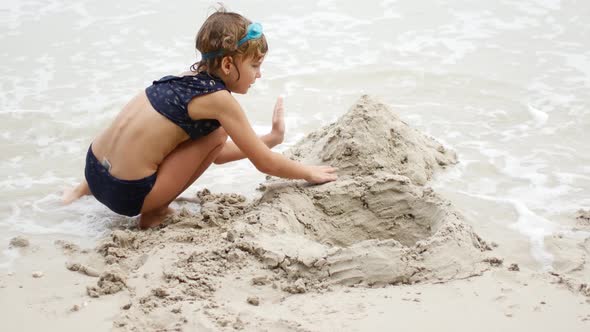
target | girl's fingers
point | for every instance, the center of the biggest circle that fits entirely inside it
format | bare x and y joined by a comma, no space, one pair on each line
278,104
329,169
278,117
278,108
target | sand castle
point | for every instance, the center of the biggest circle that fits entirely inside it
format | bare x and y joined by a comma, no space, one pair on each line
378,224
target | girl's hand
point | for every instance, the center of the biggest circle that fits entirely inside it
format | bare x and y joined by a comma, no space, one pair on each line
278,122
321,174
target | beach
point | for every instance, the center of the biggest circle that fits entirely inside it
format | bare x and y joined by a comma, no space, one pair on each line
459,131
348,255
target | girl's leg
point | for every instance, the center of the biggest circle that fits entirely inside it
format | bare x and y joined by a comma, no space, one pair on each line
177,172
72,194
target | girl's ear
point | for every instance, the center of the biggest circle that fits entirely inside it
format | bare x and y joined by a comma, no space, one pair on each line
226,64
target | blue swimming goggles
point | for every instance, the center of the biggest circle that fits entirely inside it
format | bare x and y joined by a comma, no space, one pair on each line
254,31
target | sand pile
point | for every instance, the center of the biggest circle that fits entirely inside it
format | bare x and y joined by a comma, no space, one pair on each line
378,224
372,138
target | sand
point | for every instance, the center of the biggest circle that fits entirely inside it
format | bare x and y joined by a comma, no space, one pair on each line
376,250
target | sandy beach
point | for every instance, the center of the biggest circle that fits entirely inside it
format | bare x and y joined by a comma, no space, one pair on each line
377,250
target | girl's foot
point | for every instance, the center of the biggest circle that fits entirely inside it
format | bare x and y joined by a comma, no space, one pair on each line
154,218
72,194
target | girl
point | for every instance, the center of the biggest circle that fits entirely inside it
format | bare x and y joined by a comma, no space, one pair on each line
169,134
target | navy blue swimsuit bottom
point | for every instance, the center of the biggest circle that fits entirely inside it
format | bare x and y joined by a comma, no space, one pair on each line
121,196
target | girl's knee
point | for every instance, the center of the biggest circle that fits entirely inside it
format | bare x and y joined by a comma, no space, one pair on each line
220,135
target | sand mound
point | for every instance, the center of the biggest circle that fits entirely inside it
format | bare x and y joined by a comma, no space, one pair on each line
377,224
370,138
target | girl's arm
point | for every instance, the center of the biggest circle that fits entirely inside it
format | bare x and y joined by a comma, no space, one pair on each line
231,152
233,119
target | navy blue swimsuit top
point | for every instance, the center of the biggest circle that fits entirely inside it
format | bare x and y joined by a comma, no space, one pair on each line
170,96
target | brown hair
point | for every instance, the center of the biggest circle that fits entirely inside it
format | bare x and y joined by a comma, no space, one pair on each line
221,32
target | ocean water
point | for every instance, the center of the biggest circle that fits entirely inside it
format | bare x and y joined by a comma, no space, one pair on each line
506,84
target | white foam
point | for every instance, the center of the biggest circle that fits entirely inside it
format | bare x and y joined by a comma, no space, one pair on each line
539,117
7,258
19,112
536,228
25,181
570,178
529,224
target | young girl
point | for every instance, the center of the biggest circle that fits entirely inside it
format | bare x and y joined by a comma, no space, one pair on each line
169,134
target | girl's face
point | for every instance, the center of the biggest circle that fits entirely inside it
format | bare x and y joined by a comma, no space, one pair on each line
249,71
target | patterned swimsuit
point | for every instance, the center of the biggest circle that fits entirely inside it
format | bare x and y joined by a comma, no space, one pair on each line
170,97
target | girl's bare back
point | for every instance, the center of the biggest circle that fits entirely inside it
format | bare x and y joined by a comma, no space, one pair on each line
138,140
